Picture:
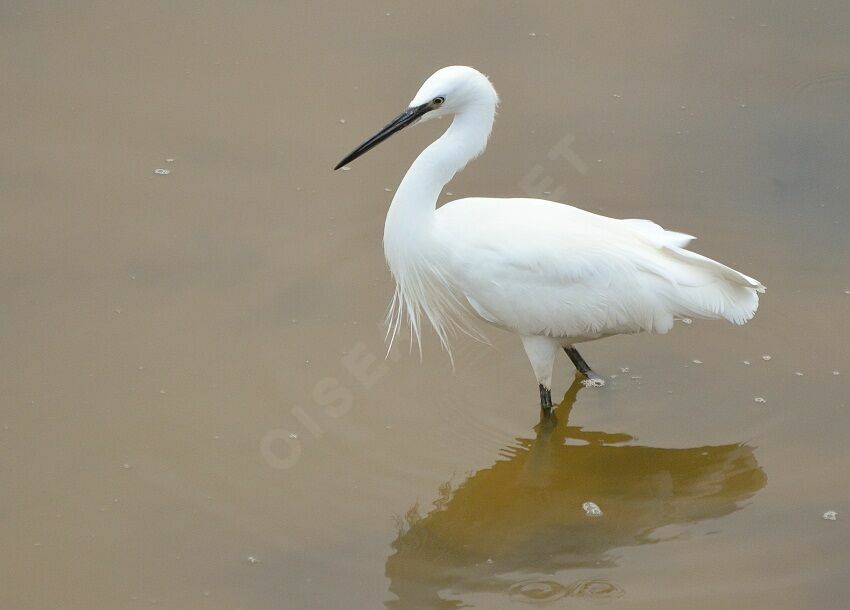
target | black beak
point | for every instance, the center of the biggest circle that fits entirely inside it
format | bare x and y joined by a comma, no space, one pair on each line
397,124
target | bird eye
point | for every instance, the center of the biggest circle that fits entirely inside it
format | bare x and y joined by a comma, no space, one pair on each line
437,101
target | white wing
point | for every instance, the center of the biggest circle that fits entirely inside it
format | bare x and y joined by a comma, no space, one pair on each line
539,267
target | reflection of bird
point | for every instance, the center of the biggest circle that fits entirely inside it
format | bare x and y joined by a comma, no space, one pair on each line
522,518
554,274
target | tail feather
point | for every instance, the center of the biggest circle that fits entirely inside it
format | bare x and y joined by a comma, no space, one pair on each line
657,234
736,277
706,288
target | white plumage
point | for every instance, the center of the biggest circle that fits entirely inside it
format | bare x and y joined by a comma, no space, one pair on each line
552,273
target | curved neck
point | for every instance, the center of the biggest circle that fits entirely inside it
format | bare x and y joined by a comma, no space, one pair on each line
416,198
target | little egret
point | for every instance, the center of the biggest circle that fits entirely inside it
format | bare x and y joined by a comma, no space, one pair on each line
552,273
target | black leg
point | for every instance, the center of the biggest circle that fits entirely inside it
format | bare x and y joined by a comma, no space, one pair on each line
545,399
581,365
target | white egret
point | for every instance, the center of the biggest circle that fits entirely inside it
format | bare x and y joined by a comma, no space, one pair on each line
552,273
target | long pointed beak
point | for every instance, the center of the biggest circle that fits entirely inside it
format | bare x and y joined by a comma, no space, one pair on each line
397,124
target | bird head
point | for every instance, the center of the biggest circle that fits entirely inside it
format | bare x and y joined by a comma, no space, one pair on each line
448,91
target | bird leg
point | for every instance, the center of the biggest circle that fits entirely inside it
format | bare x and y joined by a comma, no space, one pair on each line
545,399
582,366
541,353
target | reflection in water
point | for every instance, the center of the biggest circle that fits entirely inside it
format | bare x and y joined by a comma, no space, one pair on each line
509,528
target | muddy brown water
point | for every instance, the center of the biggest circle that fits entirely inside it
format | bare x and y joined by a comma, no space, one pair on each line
196,410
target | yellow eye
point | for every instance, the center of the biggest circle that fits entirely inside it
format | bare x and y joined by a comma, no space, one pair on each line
437,101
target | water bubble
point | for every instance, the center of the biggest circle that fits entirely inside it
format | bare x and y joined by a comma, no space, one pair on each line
687,321
161,171
830,515
591,509
616,95
532,34
766,357
835,373
169,160
759,400
342,121
535,591
252,559
747,362
595,589
388,189
162,391
624,369
345,168
798,373
697,361
293,435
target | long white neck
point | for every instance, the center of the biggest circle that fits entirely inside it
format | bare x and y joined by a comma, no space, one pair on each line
413,255
411,214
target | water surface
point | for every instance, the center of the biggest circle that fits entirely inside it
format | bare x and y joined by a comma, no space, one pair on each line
196,409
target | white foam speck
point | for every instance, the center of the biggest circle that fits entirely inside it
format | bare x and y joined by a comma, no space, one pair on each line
759,400
162,172
591,509
593,383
